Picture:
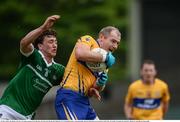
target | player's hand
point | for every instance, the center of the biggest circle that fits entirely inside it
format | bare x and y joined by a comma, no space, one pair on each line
130,118
110,59
95,93
102,79
50,22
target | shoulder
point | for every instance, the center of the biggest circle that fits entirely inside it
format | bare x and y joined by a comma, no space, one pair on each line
87,38
161,83
135,84
58,66
30,56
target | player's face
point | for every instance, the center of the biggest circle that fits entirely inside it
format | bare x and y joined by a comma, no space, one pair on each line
49,46
148,73
111,42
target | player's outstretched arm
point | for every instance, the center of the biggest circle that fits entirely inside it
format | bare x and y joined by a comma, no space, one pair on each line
26,42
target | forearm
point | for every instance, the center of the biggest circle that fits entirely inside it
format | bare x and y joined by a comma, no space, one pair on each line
128,111
165,108
30,37
90,56
84,53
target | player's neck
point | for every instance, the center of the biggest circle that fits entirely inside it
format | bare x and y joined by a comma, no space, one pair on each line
48,59
149,82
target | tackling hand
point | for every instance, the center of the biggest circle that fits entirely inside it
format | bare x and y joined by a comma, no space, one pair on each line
102,79
110,60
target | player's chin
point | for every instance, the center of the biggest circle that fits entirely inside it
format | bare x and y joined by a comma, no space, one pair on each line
53,54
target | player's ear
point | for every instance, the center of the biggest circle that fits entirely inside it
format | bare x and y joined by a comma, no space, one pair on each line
39,46
101,36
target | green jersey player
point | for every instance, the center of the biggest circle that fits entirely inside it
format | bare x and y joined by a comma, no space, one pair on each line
37,73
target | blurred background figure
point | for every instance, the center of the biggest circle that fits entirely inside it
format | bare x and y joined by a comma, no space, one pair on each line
148,97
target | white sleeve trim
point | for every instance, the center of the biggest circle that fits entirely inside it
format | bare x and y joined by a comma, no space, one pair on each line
104,57
27,54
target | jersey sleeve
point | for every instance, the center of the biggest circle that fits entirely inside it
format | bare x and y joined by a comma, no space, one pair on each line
87,40
129,95
28,59
27,54
166,95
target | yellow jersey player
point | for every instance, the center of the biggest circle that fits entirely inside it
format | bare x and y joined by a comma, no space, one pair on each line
72,102
147,98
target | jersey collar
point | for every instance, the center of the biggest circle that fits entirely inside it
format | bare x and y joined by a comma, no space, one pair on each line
47,64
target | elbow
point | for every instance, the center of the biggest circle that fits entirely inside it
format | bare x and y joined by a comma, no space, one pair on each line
22,43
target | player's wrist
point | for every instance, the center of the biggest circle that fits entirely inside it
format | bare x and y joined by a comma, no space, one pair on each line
100,84
99,88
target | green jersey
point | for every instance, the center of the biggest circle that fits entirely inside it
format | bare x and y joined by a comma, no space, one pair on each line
33,80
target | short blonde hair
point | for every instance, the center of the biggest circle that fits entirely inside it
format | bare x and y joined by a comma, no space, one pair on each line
107,30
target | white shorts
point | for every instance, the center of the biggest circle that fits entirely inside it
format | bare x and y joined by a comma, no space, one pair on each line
7,113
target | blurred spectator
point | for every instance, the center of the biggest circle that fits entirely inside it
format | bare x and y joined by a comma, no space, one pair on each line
148,97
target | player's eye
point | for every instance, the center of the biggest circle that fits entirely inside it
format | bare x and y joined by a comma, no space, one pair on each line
50,41
55,41
115,42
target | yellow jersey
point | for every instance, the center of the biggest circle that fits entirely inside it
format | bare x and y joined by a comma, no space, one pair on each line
146,99
77,76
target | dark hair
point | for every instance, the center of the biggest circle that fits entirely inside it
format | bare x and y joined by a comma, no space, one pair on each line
39,39
148,61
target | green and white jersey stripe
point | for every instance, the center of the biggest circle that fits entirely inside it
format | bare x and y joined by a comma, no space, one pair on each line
40,76
33,80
